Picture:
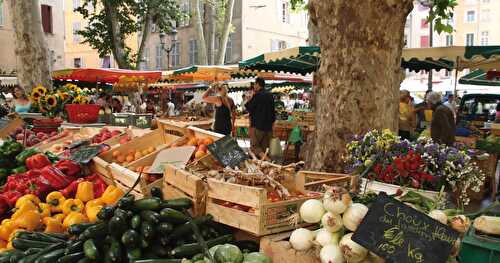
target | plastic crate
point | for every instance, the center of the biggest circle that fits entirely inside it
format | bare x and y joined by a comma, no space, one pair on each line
142,121
121,119
479,248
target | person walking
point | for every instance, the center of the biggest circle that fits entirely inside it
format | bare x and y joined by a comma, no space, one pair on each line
262,116
407,118
443,121
225,114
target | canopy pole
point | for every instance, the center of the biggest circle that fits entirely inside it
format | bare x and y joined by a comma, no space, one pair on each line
456,77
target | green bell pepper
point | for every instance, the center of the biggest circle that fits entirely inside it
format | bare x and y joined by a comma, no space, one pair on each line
52,157
19,170
21,158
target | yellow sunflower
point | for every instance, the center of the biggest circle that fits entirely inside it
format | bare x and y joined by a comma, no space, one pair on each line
51,101
40,89
36,95
71,87
84,100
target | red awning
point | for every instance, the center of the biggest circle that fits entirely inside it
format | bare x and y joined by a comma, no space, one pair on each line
107,75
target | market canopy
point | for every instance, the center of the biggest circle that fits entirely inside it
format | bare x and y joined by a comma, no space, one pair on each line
107,75
203,73
299,60
481,78
453,57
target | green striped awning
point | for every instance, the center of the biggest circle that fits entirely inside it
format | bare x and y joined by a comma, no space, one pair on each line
481,78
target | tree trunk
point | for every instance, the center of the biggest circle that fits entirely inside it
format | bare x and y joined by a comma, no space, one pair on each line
196,18
228,18
358,81
33,67
146,32
118,43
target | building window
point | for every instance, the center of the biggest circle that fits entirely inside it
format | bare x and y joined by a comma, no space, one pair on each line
285,11
424,23
106,62
424,41
485,15
77,63
46,18
158,58
484,38
469,39
76,4
193,52
175,58
1,13
228,57
76,36
277,45
449,40
471,16
185,9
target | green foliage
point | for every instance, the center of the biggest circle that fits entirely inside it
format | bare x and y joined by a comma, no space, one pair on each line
131,15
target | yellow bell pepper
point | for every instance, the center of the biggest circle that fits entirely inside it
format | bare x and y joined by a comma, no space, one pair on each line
94,202
53,225
59,217
26,206
72,205
111,195
92,212
27,198
30,220
74,218
85,191
44,209
55,200
6,229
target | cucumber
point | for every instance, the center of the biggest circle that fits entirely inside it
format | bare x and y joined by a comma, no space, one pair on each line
117,226
70,258
147,230
150,216
156,192
152,203
160,251
178,203
126,202
31,251
186,228
115,250
164,228
51,256
135,222
106,212
90,249
23,244
33,257
171,215
98,230
130,238
74,246
77,229
121,213
189,250
134,254
38,236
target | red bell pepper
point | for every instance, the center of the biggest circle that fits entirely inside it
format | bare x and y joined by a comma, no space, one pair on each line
4,205
68,167
56,179
70,190
11,197
37,161
38,186
99,187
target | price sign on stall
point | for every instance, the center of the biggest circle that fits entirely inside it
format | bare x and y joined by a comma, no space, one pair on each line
228,152
401,234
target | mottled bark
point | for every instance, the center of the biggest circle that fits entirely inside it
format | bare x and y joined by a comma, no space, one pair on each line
196,19
228,18
358,80
209,31
118,43
146,32
33,67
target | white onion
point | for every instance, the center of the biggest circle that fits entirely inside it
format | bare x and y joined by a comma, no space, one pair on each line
439,216
336,200
352,251
331,254
332,222
353,216
301,239
324,237
311,211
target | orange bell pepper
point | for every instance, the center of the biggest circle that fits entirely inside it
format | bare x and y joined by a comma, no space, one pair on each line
85,191
29,220
112,195
53,225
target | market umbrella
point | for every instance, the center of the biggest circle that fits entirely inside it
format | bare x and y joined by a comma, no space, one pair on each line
106,75
203,73
299,60
481,78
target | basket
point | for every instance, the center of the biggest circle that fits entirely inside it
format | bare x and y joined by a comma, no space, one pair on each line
82,113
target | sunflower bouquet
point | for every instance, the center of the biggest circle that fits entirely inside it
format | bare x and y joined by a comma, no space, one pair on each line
51,103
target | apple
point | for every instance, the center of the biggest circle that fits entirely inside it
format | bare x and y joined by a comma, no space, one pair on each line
20,136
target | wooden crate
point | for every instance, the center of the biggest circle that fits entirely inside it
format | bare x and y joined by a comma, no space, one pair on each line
180,183
11,126
264,217
314,181
279,249
178,125
125,179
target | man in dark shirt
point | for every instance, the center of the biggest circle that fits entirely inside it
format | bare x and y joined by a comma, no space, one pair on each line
262,117
443,121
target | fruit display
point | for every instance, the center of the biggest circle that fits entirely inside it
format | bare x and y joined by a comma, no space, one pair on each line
105,134
124,158
33,138
201,145
148,177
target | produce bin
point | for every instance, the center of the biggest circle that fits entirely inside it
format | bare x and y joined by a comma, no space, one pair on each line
142,121
479,248
121,119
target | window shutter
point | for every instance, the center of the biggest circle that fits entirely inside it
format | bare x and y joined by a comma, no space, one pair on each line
274,45
46,12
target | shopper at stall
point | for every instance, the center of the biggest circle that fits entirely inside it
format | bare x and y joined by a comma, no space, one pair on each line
21,102
116,105
450,103
150,107
262,117
225,114
407,118
170,108
443,122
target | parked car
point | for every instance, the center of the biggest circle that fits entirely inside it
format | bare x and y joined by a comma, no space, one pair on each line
475,109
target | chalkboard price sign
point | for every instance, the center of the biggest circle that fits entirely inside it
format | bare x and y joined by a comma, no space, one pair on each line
228,152
401,234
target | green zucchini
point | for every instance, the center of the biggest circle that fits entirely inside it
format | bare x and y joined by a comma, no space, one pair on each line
121,213
147,230
98,230
32,250
126,202
39,236
48,249
178,203
106,212
134,254
77,229
152,203
189,250
171,215
51,256
156,192
85,260
117,226
130,238
186,228
70,258
164,228
150,216
115,250
135,222
90,249
74,246
158,261
23,244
